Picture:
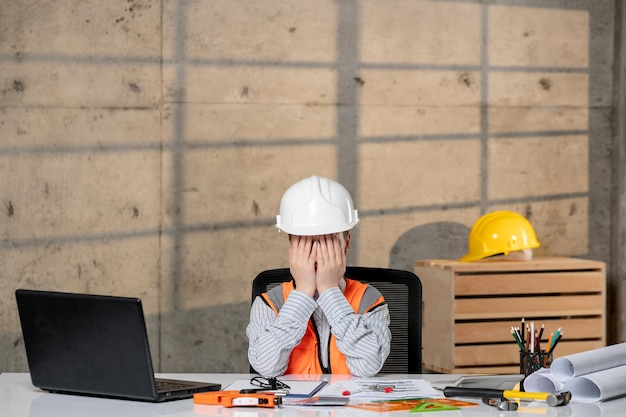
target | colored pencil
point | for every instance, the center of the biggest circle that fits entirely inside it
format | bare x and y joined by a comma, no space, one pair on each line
517,340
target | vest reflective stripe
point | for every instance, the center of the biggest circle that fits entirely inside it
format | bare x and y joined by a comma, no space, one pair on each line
305,357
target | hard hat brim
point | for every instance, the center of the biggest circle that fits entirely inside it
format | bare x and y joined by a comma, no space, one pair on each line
476,257
315,230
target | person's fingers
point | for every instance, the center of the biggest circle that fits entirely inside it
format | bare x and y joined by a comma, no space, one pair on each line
337,250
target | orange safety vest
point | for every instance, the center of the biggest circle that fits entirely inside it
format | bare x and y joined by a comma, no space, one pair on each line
305,357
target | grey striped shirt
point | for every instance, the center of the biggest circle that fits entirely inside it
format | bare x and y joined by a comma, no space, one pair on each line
363,338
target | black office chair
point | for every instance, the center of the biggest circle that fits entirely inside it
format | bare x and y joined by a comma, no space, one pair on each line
403,294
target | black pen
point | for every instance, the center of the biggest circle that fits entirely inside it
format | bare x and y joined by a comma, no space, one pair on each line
252,390
263,390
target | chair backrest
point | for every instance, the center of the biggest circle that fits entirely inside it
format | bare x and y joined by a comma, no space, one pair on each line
403,294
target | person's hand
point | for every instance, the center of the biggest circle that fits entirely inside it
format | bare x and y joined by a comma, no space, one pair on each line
302,263
331,263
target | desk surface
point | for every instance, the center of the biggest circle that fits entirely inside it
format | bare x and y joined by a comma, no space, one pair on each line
18,398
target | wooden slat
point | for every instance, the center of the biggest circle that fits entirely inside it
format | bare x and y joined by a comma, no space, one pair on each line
499,331
512,307
480,355
438,322
529,283
500,370
537,264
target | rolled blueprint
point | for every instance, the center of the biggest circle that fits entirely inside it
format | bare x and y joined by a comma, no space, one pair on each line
598,386
567,367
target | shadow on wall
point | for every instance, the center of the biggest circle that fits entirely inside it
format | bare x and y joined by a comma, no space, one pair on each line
209,340
440,240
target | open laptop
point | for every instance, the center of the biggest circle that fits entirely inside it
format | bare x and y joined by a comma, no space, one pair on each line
93,345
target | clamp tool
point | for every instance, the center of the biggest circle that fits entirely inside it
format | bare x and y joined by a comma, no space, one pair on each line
234,398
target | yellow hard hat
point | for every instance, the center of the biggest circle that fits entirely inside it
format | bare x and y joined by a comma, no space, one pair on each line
499,232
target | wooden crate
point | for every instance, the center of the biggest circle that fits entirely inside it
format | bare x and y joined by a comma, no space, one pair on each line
469,308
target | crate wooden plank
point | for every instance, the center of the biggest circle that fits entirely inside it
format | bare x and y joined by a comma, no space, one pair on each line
530,283
537,264
480,355
498,331
438,322
511,307
500,370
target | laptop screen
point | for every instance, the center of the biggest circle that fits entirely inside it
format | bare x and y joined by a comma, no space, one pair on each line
91,344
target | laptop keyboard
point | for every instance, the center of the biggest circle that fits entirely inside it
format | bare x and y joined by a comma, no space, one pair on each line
163,386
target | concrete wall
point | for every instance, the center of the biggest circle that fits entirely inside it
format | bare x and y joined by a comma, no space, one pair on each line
144,145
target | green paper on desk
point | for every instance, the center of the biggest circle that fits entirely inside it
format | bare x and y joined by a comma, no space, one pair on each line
414,405
428,406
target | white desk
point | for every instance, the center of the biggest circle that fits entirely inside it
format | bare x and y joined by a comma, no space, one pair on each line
18,398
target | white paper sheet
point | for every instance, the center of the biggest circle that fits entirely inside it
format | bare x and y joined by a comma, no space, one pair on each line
363,388
296,388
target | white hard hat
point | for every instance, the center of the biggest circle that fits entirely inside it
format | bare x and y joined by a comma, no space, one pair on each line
316,206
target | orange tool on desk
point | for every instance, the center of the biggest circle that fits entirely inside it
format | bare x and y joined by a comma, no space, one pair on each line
234,398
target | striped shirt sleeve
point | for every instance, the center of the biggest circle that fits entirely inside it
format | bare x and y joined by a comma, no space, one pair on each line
364,339
271,337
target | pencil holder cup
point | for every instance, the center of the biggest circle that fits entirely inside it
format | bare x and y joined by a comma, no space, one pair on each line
530,362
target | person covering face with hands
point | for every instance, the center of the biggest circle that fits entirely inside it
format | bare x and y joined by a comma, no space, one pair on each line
318,263
321,321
